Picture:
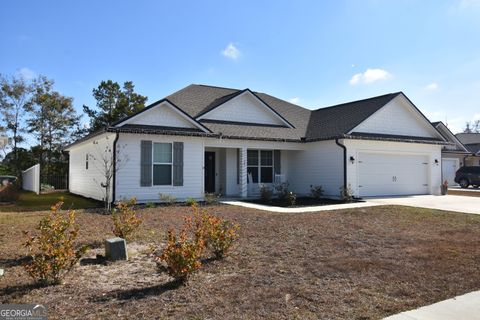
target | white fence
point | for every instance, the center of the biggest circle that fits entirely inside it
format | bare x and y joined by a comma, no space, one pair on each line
31,179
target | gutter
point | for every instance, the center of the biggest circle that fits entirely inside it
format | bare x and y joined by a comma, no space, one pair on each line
344,162
114,176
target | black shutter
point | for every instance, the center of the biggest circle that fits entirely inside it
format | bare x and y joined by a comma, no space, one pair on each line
145,163
277,160
178,163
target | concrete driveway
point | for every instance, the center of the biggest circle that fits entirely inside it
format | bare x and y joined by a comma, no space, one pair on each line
448,203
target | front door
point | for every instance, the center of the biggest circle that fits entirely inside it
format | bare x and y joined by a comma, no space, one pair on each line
210,172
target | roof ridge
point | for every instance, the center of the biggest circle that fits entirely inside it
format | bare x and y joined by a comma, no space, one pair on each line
217,87
360,100
293,104
184,88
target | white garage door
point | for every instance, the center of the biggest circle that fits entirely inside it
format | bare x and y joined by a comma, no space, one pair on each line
392,174
449,168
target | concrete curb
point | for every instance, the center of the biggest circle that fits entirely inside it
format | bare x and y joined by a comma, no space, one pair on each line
304,209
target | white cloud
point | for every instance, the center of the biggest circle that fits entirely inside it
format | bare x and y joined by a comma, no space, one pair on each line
432,86
295,100
370,76
231,52
26,73
476,116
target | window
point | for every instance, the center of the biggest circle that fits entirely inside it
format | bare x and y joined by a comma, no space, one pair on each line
86,161
162,164
266,166
260,165
252,165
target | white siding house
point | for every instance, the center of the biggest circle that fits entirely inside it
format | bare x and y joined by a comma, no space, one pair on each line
205,139
86,173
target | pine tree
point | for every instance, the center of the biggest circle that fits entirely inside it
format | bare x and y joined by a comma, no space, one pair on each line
113,103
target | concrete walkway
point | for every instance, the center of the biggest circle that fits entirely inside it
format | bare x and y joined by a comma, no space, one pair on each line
465,307
304,209
449,203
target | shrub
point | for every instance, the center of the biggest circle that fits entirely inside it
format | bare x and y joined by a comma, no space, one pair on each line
191,202
346,193
217,234
181,255
168,199
265,193
210,198
221,237
150,205
282,190
290,198
125,219
316,191
52,251
9,192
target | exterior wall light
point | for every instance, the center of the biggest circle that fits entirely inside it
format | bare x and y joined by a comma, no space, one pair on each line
352,159
436,162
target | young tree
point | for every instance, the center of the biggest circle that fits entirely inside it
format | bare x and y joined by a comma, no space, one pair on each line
15,98
108,166
113,103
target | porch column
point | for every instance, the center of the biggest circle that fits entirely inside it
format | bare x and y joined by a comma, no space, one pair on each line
243,173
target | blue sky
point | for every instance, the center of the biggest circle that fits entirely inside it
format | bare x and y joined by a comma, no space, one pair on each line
316,53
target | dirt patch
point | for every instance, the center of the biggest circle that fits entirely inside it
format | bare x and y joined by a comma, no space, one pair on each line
459,192
363,263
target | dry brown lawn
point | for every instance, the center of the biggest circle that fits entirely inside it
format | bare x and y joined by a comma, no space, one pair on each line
350,264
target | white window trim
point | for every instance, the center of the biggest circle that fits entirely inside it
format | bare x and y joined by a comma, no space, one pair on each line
160,163
259,165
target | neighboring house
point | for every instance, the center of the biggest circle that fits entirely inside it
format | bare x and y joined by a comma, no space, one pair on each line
212,139
471,141
453,155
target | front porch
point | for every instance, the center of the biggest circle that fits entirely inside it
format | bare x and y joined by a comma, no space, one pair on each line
240,172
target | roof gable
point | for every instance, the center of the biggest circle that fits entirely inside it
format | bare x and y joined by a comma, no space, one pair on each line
337,120
243,107
450,137
162,113
398,117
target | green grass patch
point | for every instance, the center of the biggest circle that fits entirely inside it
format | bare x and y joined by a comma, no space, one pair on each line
29,201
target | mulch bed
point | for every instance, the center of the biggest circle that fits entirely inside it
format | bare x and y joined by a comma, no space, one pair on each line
299,203
364,263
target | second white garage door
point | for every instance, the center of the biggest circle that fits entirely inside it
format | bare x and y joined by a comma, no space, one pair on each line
382,174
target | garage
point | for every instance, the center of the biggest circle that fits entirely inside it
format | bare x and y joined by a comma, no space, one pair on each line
389,174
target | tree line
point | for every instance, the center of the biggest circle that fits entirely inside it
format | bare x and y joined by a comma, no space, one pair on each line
39,121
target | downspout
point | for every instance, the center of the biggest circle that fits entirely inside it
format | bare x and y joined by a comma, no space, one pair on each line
114,176
344,162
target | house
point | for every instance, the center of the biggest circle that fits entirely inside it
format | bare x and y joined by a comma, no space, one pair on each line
471,141
211,139
454,155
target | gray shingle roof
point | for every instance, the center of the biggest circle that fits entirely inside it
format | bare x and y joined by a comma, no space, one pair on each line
308,125
324,123
196,100
473,147
340,119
